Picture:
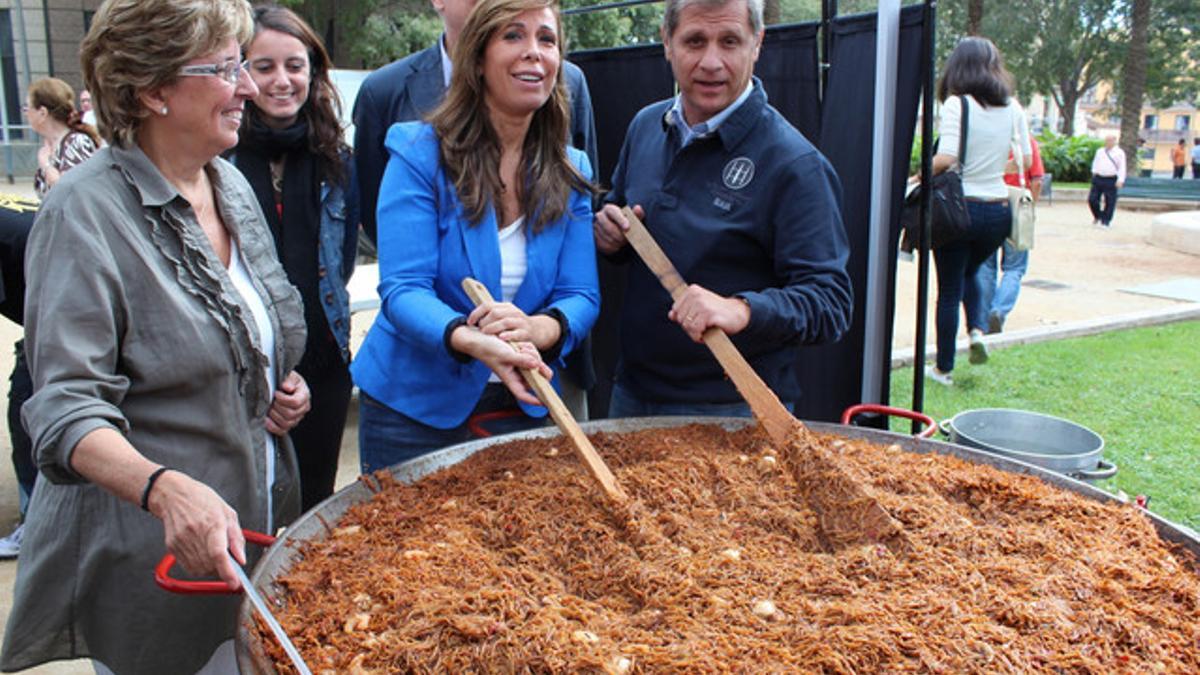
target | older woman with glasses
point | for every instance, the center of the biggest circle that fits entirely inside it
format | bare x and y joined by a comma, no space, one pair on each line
161,332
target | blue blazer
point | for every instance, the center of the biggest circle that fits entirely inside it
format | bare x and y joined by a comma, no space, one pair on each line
426,247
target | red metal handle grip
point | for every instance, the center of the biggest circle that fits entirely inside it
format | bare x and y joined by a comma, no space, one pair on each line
475,423
162,572
930,426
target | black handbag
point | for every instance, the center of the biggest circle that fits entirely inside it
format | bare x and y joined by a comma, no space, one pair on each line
946,201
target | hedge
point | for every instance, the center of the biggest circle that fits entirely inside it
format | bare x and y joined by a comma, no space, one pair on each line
1069,159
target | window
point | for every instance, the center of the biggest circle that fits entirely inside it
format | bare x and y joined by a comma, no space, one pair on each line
8,62
1151,122
1183,122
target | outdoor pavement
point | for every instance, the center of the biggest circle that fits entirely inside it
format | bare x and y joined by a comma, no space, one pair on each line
1075,285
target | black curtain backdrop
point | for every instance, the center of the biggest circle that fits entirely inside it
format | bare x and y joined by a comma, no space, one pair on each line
625,80
831,375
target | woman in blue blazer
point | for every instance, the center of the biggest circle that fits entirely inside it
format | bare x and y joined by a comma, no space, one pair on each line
488,189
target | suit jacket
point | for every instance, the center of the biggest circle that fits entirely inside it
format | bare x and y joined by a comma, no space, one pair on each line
425,251
405,90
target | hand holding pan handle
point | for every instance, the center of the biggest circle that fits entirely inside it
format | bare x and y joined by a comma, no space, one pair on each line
162,572
930,429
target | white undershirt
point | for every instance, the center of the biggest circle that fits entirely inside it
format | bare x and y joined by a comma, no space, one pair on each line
512,263
512,258
266,333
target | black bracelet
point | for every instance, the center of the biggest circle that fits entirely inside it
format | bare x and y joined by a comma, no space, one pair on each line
150,485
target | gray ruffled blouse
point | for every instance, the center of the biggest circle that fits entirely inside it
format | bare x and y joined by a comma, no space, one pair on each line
132,323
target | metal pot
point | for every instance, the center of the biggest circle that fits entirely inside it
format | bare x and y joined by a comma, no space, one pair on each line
314,524
1047,441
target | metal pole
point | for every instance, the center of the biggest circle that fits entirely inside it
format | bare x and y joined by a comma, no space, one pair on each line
876,350
829,11
927,36
4,134
19,5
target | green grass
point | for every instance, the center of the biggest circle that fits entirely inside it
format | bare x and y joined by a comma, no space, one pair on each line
1139,389
1081,186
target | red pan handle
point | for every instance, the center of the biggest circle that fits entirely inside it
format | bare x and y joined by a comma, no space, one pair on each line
930,426
162,572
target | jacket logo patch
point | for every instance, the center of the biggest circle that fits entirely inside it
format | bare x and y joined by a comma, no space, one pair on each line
738,173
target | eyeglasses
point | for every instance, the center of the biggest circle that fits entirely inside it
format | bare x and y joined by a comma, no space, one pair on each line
230,71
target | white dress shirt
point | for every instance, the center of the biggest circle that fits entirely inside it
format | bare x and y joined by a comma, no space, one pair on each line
1109,163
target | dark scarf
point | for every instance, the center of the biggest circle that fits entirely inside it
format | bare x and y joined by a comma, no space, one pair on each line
297,234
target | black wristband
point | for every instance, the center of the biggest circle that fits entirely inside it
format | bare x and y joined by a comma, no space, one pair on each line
150,485
564,328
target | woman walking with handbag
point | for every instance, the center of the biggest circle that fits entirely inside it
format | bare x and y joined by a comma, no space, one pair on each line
976,85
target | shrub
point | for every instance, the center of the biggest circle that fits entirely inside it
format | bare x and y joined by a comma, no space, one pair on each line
1068,158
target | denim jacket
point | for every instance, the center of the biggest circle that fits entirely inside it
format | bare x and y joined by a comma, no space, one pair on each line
337,251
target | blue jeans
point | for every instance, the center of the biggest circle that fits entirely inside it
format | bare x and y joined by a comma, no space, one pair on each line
957,266
999,299
625,403
387,437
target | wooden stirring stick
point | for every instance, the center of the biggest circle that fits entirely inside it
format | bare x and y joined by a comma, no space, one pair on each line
558,411
770,412
848,514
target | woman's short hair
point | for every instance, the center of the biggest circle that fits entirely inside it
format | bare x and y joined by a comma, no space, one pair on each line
470,149
135,46
976,68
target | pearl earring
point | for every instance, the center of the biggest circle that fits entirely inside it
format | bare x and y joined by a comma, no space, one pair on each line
164,111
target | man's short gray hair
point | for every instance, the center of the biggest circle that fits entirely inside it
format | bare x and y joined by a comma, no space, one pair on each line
754,10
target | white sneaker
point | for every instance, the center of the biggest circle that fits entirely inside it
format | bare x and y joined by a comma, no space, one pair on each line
938,376
10,546
977,353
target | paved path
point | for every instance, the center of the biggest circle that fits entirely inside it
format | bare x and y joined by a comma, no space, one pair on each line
1075,276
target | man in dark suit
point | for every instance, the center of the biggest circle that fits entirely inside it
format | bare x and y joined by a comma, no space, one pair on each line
406,90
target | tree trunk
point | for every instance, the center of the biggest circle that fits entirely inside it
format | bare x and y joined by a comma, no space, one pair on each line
772,11
974,17
1066,109
1133,84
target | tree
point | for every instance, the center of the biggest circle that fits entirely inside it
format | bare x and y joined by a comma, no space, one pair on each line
974,16
1133,82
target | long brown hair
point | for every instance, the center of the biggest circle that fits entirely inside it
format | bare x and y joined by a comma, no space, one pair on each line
58,99
322,110
470,148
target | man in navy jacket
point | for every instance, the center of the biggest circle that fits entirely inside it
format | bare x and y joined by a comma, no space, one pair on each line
406,90
747,210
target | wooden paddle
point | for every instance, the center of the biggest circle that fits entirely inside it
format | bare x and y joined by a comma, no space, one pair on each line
848,514
558,411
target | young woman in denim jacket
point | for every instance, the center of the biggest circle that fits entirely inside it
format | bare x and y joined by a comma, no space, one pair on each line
291,151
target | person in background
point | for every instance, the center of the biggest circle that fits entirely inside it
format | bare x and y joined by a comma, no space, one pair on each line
999,299
66,140
975,70
162,335
291,151
1196,159
66,143
16,219
85,107
407,90
486,189
1179,159
1108,176
748,211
